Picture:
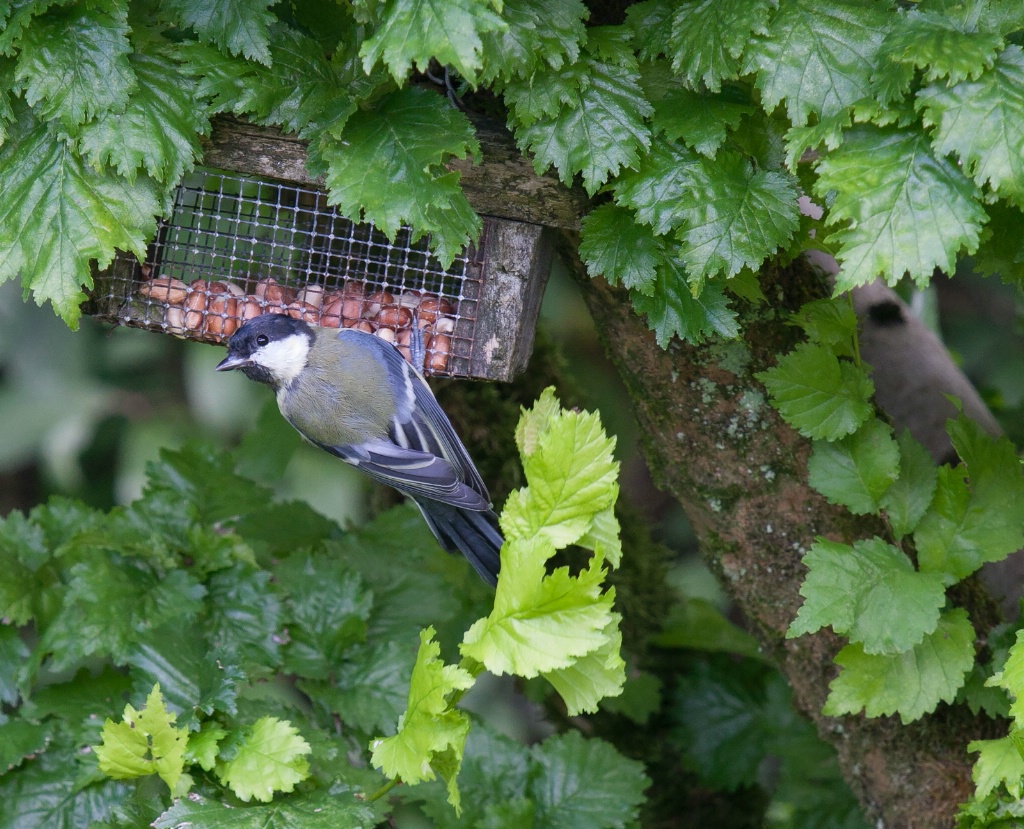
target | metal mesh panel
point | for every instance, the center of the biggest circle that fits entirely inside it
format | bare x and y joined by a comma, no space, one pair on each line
236,247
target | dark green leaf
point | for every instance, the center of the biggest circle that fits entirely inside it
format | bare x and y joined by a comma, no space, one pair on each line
615,246
709,37
901,209
243,615
982,121
586,784
13,654
672,310
312,810
237,26
74,62
538,30
58,214
818,57
829,322
702,121
656,186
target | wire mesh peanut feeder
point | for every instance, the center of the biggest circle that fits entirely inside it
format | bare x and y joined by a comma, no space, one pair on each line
238,245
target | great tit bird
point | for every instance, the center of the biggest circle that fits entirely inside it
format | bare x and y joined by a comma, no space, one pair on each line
355,396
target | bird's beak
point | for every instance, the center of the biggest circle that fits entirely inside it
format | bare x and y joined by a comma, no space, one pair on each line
231,362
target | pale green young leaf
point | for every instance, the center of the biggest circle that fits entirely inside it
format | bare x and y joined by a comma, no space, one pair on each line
414,31
203,746
982,121
856,471
673,311
537,30
907,500
159,129
911,683
388,168
430,730
829,322
604,535
59,213
869,592
588,117
540,623
817,57
270,758
145,742
898,208
733,217
74,63
973,522
818,395
240,27
585,784
708,37
1011,678
616,246
534,422
593,677
999,763
571,477
655,186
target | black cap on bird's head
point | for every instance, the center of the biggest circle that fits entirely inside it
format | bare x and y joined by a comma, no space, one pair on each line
271,349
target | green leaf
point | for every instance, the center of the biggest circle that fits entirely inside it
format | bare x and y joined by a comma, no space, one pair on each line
23,552
243,614
907,500
388,168
901,209
818,57
236,26
588,117
829,322
313,810
937,44
58,214
192,678
734,217
74,62
656,185
158,130
818,395
698,624
14,653
594,676
414,31
982,121
144,743
571,475
673,311
204,746
537,30
702,121
1011,677
969,524
271,758
302,91
910,684
430,733
327,608
869,592
614,245
999,763
586,784
540,623
856,471
709,37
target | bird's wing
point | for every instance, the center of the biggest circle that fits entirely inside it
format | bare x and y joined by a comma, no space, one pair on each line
417,474
419,426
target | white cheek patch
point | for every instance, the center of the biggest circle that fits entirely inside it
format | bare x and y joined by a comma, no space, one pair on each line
284,359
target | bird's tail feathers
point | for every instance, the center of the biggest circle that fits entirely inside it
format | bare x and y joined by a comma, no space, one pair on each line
474,533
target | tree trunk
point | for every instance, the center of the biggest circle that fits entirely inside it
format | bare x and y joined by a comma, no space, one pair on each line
712,440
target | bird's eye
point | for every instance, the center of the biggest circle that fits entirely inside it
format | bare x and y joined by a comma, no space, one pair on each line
262,339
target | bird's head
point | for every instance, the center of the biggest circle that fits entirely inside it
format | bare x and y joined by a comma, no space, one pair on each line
271,349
